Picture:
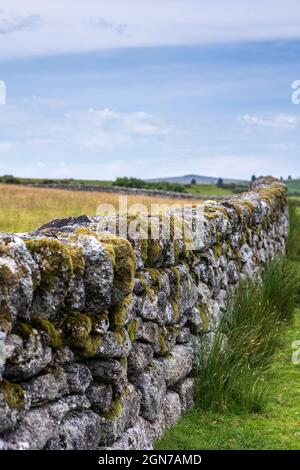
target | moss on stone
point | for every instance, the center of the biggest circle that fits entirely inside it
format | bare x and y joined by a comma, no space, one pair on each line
89,346
24,330
56,259
154,252
76,329
114,411
54,339
13,394
217,249
132,328
203,314
119,312
124,261
120,337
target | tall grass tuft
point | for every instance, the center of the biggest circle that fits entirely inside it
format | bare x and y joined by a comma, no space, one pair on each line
233,374
293,241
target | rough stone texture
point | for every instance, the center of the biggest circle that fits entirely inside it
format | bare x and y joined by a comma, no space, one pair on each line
172,408
99,334
152,385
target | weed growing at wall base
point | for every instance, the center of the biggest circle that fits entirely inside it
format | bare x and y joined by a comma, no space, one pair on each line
235,371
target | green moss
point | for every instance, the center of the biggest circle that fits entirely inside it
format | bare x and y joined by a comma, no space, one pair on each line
213,212
163,336
124,261
56,259
115,410
132,328
89,346
13,394
123,361
154,252
155,275
203,314
175,308
247,204
76,329
119,312
24,330
119,335
217,249
54,339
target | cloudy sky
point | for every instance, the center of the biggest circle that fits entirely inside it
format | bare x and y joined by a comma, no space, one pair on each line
148,88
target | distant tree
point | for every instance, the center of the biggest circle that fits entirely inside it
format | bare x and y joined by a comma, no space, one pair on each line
193,181
289,177
281,178
253,178
220,183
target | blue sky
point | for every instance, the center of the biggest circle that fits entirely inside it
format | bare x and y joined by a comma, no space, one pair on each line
154,89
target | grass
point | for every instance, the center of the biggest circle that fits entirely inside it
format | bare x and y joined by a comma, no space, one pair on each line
209,190
24,208
278,427
247,393
233,376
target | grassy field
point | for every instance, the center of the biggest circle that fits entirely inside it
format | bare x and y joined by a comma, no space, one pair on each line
277,428
209,190
24,208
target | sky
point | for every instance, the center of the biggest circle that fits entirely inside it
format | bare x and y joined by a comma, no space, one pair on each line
149,88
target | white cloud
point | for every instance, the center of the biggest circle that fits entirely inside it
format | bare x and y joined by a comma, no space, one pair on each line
116,28
6,146
11,23
90,128
65,28
280,120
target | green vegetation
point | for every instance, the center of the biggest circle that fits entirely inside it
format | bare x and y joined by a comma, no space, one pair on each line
275,428
125,182
233,376
141,184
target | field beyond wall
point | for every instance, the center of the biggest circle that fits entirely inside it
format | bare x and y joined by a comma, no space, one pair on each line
24,208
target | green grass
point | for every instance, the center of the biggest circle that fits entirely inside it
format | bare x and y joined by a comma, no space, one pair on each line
233,375
278,427
208,190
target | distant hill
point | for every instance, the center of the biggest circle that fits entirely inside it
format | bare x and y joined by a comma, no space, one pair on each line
186,179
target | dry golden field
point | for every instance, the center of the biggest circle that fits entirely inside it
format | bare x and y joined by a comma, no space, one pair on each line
23,209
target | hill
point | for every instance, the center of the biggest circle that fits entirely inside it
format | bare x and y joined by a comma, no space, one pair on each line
186,179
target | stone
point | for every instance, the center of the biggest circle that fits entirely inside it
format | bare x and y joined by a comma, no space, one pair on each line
152,385
135,438
79,430
26,357
172,408
184,336
19,271
110,371
114,344
178,364
185,391
14,403
78,377
149,332
140,357
100,397
47,387
122,415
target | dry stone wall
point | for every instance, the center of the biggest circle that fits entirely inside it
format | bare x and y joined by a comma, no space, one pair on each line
98,334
